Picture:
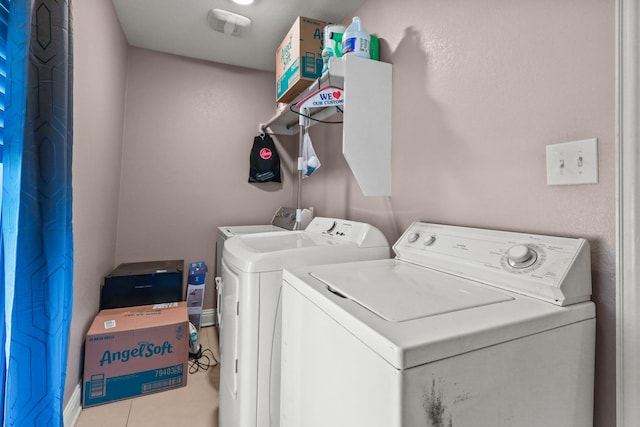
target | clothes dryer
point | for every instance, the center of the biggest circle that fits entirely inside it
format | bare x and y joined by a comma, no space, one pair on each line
465,327
250,322
283,219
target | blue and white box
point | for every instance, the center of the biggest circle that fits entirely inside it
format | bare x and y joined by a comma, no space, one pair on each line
196,285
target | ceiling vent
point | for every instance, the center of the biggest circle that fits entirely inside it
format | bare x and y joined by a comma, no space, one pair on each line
228,23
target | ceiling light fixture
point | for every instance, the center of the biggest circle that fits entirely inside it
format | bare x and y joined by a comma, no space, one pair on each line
243,2
228,23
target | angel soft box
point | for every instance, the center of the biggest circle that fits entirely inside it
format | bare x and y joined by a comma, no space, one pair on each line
133,351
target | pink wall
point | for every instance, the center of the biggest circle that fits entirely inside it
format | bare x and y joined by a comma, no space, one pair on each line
479,90
189,129
100,51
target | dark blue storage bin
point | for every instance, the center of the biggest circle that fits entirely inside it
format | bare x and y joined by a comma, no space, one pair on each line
143,283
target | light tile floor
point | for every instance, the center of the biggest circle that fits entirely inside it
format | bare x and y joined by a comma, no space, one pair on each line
194,405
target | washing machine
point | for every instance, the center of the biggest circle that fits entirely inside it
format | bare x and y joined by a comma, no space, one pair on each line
464,327
250,322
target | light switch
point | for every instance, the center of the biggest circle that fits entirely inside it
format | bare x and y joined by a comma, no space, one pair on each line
573,162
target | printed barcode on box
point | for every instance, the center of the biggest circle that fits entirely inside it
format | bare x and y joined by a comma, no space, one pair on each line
149,387
110,324
165,305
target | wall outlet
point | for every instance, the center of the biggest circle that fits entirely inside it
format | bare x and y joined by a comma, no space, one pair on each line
573,162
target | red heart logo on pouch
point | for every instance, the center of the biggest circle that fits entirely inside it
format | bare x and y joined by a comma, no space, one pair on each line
337,94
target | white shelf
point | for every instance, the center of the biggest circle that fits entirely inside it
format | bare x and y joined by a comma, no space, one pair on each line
367,109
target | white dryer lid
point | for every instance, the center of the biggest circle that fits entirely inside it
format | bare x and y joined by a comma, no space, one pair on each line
415,292
228,231
286,241
325,240
273,251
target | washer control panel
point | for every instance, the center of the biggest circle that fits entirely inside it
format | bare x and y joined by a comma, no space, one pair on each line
556,269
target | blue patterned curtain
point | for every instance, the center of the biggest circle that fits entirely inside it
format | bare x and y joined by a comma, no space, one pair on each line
37,242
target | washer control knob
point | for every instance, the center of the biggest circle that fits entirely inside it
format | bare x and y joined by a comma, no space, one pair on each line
519,254
429,240
413,237
333,227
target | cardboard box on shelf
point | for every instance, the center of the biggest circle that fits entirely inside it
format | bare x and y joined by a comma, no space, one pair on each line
299,58
133,351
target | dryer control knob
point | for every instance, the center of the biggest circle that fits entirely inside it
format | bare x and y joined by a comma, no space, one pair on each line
519,253
429,240
413,237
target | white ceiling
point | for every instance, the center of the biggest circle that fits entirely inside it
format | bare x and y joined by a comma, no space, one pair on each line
180,27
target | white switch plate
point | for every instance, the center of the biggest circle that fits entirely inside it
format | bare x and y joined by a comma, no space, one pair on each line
573,162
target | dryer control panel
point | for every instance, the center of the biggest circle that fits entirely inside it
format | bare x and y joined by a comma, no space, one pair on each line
556,269
286,218
363,234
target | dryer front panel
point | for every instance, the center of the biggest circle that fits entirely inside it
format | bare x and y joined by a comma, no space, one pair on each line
238,348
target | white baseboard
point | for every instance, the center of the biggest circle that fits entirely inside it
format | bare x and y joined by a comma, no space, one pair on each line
73,408
209,317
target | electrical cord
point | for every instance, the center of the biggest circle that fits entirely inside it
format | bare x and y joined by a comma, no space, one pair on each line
201,360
